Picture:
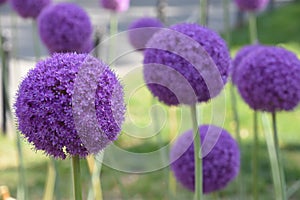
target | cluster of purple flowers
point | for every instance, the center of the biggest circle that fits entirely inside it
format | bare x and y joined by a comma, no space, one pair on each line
58,101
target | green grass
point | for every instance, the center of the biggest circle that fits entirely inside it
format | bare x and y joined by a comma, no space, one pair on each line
280,27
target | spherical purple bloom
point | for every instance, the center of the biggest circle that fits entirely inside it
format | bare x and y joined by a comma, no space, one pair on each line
251,5
141,30
186,64
70,104
221,164
270,79
242,54
64,27
115,5
29,8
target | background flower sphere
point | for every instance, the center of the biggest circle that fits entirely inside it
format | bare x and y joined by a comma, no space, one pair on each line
29,8
252,5
242,54
186,52
64,27
220,166
46,107
141,30
115,5
270,79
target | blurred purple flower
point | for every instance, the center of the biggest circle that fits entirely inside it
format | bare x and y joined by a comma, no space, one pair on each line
251,5
270,79
70,104
3,1
29,8
141,30
186,64
64,27
115,5
242,54
220,165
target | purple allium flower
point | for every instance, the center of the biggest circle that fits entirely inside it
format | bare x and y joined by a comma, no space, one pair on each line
141,30
64,27
221,163
186,64
70,104
270,79
251,5
29,8
115,5
242,54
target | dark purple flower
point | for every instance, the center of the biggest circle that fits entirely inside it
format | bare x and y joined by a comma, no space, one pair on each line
270,79
186,64
115,5
221,163
242,54
70,104
141,30
64,27
251,5
29,8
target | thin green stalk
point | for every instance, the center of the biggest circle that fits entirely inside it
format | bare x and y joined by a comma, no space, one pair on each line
22,191
279,160
35,38
226,15
76,178
197,155
203,9
255,158
173,130
50,184
273,158
113,31
95,165
253,28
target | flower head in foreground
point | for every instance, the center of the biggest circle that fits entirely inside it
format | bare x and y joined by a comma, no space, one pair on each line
186,64
242,54
115,5
141,30
29,8
70,104
220,166
251,5
270,79
64,27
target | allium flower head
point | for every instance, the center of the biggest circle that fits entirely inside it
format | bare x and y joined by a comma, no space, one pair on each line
141,30
186,64
115,5
70,104
221,163
242,54
251,5
29,8
270,79
64,27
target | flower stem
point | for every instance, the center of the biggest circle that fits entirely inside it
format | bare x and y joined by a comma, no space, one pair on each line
279,160
203,9
113,30
226,15
51,177
35,38
22,191
255,158
95,166
76,177
253,28
197,155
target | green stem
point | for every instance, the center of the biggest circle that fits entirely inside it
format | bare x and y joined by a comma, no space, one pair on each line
203,9
273,158
226,9
255,158
279,160
76,177
95,166
113,31
51,177
253,28
22,191
35,38
197,155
